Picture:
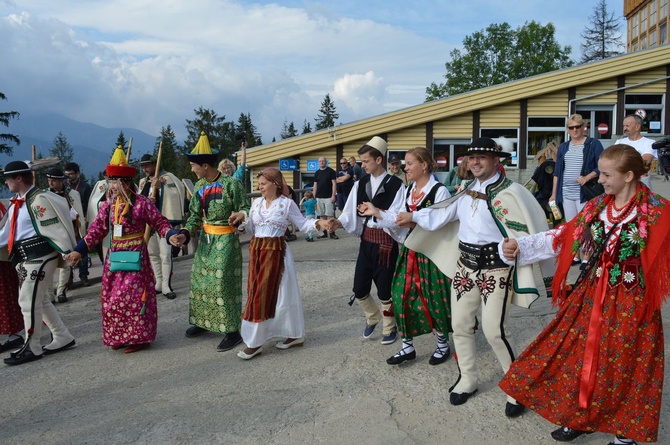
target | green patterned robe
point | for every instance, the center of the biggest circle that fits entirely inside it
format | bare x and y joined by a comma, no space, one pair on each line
215,300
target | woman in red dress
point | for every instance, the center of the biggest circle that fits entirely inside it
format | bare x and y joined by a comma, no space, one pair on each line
598,366
11,320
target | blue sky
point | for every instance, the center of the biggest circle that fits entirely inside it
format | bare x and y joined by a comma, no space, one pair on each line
149,63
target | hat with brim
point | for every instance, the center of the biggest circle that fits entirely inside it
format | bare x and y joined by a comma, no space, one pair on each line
118,167
203,153
487,146
16,168
55,173
394,160
379,144
147,159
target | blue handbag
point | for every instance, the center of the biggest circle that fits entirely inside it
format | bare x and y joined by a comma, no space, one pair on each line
125,261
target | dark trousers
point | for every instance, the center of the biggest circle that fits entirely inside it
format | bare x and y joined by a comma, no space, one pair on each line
368,269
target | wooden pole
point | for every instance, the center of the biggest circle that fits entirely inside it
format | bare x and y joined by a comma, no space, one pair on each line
130,149
34,157
154,191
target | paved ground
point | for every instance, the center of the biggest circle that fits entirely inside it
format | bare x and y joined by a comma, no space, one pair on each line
335,390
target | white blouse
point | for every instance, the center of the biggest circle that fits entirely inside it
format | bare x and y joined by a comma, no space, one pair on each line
272,221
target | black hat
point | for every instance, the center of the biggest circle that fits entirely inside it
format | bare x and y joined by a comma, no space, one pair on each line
55,173
16,168
486,145
393,159
147,159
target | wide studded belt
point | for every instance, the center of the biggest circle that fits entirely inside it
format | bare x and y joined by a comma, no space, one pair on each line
478,257
30,249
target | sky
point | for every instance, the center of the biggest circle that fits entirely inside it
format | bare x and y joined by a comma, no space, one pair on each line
147,64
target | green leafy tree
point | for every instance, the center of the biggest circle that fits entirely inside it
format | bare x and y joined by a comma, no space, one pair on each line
5,117
61,149
327,114
221,134
501,54
306,127
601,37
288,130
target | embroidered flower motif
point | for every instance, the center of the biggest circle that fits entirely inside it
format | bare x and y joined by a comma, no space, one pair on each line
462,284
486,285
633,235
628,277
39,210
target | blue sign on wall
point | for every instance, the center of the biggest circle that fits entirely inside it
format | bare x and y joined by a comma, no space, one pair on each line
288,164
312,165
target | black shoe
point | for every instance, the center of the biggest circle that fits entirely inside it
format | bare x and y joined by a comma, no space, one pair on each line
436,359
576,262
513,410
195,331
84,281
231,340
62,348
583,265
325,235
456,398
333,236
399,358
565,434
11,344
170,295
62,298
24,356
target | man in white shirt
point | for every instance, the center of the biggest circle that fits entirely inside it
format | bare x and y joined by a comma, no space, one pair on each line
632,125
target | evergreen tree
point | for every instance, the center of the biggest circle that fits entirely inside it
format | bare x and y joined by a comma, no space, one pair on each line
120,140
601,37
221,134
288,130
327,114
501,54
306,127
5,117
172,159
245,125
61,149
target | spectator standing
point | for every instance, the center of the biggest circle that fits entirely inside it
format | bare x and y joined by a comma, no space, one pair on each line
632,127
325,191
344,181
84,189
395,169
309,204
358,171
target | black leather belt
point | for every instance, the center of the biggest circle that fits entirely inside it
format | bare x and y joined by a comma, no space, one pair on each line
478,257
30,249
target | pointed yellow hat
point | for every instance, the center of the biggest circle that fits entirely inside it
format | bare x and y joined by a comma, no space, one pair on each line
118,167
202,153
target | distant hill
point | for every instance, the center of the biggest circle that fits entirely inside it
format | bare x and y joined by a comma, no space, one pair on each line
92,144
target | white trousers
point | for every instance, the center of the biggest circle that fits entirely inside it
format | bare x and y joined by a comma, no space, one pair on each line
491,290
160,255
35,278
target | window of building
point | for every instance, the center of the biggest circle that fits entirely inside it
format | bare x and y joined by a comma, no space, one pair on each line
663,33
636,26
643,42
601,118
652,38
664,9
652,14
643,20
507,137
446,151
542,130
653,105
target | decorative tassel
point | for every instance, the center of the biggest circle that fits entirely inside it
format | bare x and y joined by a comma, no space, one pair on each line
144,303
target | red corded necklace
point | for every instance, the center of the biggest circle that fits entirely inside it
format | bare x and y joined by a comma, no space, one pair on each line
623,212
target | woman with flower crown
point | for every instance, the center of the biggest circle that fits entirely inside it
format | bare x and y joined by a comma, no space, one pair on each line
598,366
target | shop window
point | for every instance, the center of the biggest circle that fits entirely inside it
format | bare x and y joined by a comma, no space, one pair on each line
543,130
507,137
653,105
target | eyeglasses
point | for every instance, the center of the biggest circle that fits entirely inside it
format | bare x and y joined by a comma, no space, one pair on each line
574,127
343,163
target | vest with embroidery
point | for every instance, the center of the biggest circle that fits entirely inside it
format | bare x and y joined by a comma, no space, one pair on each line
391,184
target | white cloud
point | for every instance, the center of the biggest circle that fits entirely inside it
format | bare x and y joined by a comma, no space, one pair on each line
362,93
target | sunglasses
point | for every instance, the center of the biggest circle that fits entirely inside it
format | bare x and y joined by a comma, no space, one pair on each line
574,127
343,163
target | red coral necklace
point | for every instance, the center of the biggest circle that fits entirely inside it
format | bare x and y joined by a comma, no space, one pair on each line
623,212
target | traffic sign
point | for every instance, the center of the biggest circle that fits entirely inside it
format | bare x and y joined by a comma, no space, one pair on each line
288,164
603,128
441,161
312,165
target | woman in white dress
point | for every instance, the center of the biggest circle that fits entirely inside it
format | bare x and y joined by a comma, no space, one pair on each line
274,306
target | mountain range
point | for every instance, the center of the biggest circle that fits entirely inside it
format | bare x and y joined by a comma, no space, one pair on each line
92,144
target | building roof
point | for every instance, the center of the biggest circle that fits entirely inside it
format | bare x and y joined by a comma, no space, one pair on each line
462,103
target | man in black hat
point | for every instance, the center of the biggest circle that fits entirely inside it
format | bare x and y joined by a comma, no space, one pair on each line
395,168
76,183
57,185
36,231
167,192
475,222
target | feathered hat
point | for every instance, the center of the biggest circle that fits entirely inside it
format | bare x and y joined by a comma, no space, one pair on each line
118,167
203,153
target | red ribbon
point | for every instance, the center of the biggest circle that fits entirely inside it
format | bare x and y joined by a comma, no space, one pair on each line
412,277
587,382
12,224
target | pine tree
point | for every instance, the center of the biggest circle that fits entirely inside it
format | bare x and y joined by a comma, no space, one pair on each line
245,125
221,134
5,117
288,130
306,127
61,149
327,114
602,39
172,159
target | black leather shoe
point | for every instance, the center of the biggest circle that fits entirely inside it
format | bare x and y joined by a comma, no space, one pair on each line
84,281
231,340
513,410
62,348
565,434
11,344
398,358
62,298
22,357
195,331
170,295
456,398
